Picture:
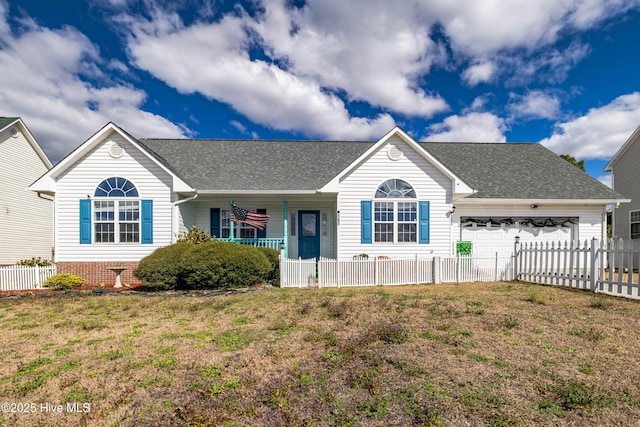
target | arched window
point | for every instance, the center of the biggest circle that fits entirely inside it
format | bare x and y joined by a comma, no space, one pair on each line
395,212
395,189
116,195
116,187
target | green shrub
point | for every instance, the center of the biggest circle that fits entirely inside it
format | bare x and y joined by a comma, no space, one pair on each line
194,235
63,281
273,277
160,270
218,264
35,262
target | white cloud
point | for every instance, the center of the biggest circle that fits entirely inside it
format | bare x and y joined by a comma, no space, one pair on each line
479,73
42,81
606,180
471,127
600,133
219,67
535,104
481,28
376,52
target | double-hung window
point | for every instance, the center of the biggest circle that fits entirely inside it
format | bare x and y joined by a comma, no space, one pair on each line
634,223
395,212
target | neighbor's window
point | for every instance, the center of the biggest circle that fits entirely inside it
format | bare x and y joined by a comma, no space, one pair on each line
240,231
634,221
395,215
116,216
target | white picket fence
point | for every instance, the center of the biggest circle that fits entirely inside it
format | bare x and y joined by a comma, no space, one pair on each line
19,278
607,267
327,272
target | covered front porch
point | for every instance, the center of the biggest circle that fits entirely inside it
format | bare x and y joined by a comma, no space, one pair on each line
303,226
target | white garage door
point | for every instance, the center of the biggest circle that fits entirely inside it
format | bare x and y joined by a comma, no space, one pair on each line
489,240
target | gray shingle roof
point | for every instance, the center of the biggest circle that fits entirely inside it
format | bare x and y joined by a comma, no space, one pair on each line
494,170
6,121
255,165
517,171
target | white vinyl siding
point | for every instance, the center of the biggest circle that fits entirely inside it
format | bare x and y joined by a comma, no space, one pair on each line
429,183
26,220
81,181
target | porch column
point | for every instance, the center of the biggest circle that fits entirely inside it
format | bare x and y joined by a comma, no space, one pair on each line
232,234
285,235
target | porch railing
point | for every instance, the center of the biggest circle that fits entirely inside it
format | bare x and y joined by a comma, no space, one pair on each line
273,243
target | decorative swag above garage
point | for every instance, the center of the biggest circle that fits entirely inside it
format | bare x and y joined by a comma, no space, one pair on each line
533,222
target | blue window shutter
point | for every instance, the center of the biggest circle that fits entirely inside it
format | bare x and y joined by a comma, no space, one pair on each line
423,226
261,234
147,221
215,222
85,221
365,221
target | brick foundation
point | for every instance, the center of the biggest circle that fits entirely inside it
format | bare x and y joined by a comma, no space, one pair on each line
97,273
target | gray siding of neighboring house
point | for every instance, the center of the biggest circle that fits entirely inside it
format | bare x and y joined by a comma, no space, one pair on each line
626,181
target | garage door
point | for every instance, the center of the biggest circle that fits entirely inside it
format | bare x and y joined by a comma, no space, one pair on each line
489,240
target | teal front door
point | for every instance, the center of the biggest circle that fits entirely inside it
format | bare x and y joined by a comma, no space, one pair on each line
309,234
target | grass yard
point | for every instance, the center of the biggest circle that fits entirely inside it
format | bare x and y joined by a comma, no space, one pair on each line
499,354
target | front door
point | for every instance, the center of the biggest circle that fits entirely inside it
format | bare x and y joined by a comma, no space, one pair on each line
309,234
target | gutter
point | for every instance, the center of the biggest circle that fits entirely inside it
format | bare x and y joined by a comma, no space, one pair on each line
476,201
188,199
41,195
173,214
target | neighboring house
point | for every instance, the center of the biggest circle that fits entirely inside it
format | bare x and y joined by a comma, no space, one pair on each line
118,198
625,179
26,219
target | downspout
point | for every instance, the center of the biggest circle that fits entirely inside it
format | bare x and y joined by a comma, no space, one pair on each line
173,214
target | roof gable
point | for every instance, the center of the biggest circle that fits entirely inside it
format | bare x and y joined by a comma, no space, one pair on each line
47,182
458,185
6,122
635,136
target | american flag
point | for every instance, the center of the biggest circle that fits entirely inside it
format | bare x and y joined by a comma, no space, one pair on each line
253,219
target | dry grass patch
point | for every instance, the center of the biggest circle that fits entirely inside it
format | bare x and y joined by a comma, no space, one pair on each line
467,354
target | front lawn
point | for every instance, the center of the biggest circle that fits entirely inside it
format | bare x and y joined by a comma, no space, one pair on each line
458,354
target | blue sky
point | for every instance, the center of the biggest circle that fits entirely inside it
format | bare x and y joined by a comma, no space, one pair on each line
559,72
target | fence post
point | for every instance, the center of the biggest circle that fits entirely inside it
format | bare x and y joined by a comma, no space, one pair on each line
437,263
417,270
515,258
495,275
375,272
282,267
299,272
337,272
593,266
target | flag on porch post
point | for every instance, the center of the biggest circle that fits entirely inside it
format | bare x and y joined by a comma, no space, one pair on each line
253,219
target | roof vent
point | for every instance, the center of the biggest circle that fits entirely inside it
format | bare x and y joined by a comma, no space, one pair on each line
14,132
393,152
115,150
